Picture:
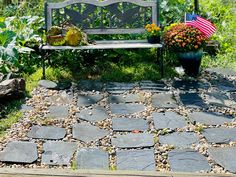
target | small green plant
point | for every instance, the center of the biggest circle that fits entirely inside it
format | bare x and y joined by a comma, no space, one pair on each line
74,165
113,167
199,128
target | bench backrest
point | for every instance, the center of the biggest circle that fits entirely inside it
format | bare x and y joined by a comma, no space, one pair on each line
104,17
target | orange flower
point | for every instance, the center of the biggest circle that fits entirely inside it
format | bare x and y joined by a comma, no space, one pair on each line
153,25
148,26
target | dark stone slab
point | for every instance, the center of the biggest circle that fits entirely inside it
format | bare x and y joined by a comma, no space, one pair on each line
223,85
192,100
87,133
187,85
130,98
91,158
63,85
58,153
209,118
61,98
180,139
25,108
163,100
222,71
47,84
225,157
128,108
133,140
141,160
47,132
219,99
150,86
187,160
233,96
169,120
220,135
19,152
90,85
96,114
118,88
58,112
86,100
127,124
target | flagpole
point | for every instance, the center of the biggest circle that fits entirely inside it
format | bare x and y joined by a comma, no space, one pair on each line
196,6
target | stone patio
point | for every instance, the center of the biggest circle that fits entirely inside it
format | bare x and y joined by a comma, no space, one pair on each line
179,125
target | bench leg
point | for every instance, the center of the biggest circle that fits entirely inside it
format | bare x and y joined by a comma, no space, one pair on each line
160,61
43,66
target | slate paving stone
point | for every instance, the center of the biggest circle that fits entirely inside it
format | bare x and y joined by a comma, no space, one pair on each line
225,157
209,118
89,85
47,84
62,98
219,99
91,158
130,98
25,108
19,152
187,160
133,140
64,85
169,120
46,132
163,100
150,86
126,108
187,85
180,139
220,135
128,124
118,87
233,96
192,100
141,160
222,71
58,153
58,112
224,85
87,133
87,100
98,113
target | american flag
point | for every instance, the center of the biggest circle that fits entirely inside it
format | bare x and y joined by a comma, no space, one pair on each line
206,27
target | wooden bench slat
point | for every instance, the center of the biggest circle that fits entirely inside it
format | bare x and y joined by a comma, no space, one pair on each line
114,44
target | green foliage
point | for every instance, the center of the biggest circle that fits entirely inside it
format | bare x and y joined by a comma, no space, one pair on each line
9,114
16,36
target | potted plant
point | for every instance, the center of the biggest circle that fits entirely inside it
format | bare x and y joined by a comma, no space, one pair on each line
187,42
153,33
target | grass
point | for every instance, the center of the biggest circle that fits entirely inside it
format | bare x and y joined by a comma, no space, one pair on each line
9,115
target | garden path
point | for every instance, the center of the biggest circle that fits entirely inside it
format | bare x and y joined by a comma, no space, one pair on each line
178,125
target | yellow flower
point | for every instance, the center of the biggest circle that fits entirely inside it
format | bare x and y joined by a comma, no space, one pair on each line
157,28
148,26
149,29
153,25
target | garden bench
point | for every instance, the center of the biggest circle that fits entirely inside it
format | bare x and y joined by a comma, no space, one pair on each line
107,17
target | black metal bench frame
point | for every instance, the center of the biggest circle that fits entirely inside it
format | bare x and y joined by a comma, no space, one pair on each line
105,17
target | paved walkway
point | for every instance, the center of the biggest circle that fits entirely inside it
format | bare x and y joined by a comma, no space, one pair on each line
179,125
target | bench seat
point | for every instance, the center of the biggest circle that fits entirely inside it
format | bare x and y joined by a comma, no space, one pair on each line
108,44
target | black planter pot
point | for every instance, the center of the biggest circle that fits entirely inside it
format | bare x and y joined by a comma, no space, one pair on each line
154,39
191,62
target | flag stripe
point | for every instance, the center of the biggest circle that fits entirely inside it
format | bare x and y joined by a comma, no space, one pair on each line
205,26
